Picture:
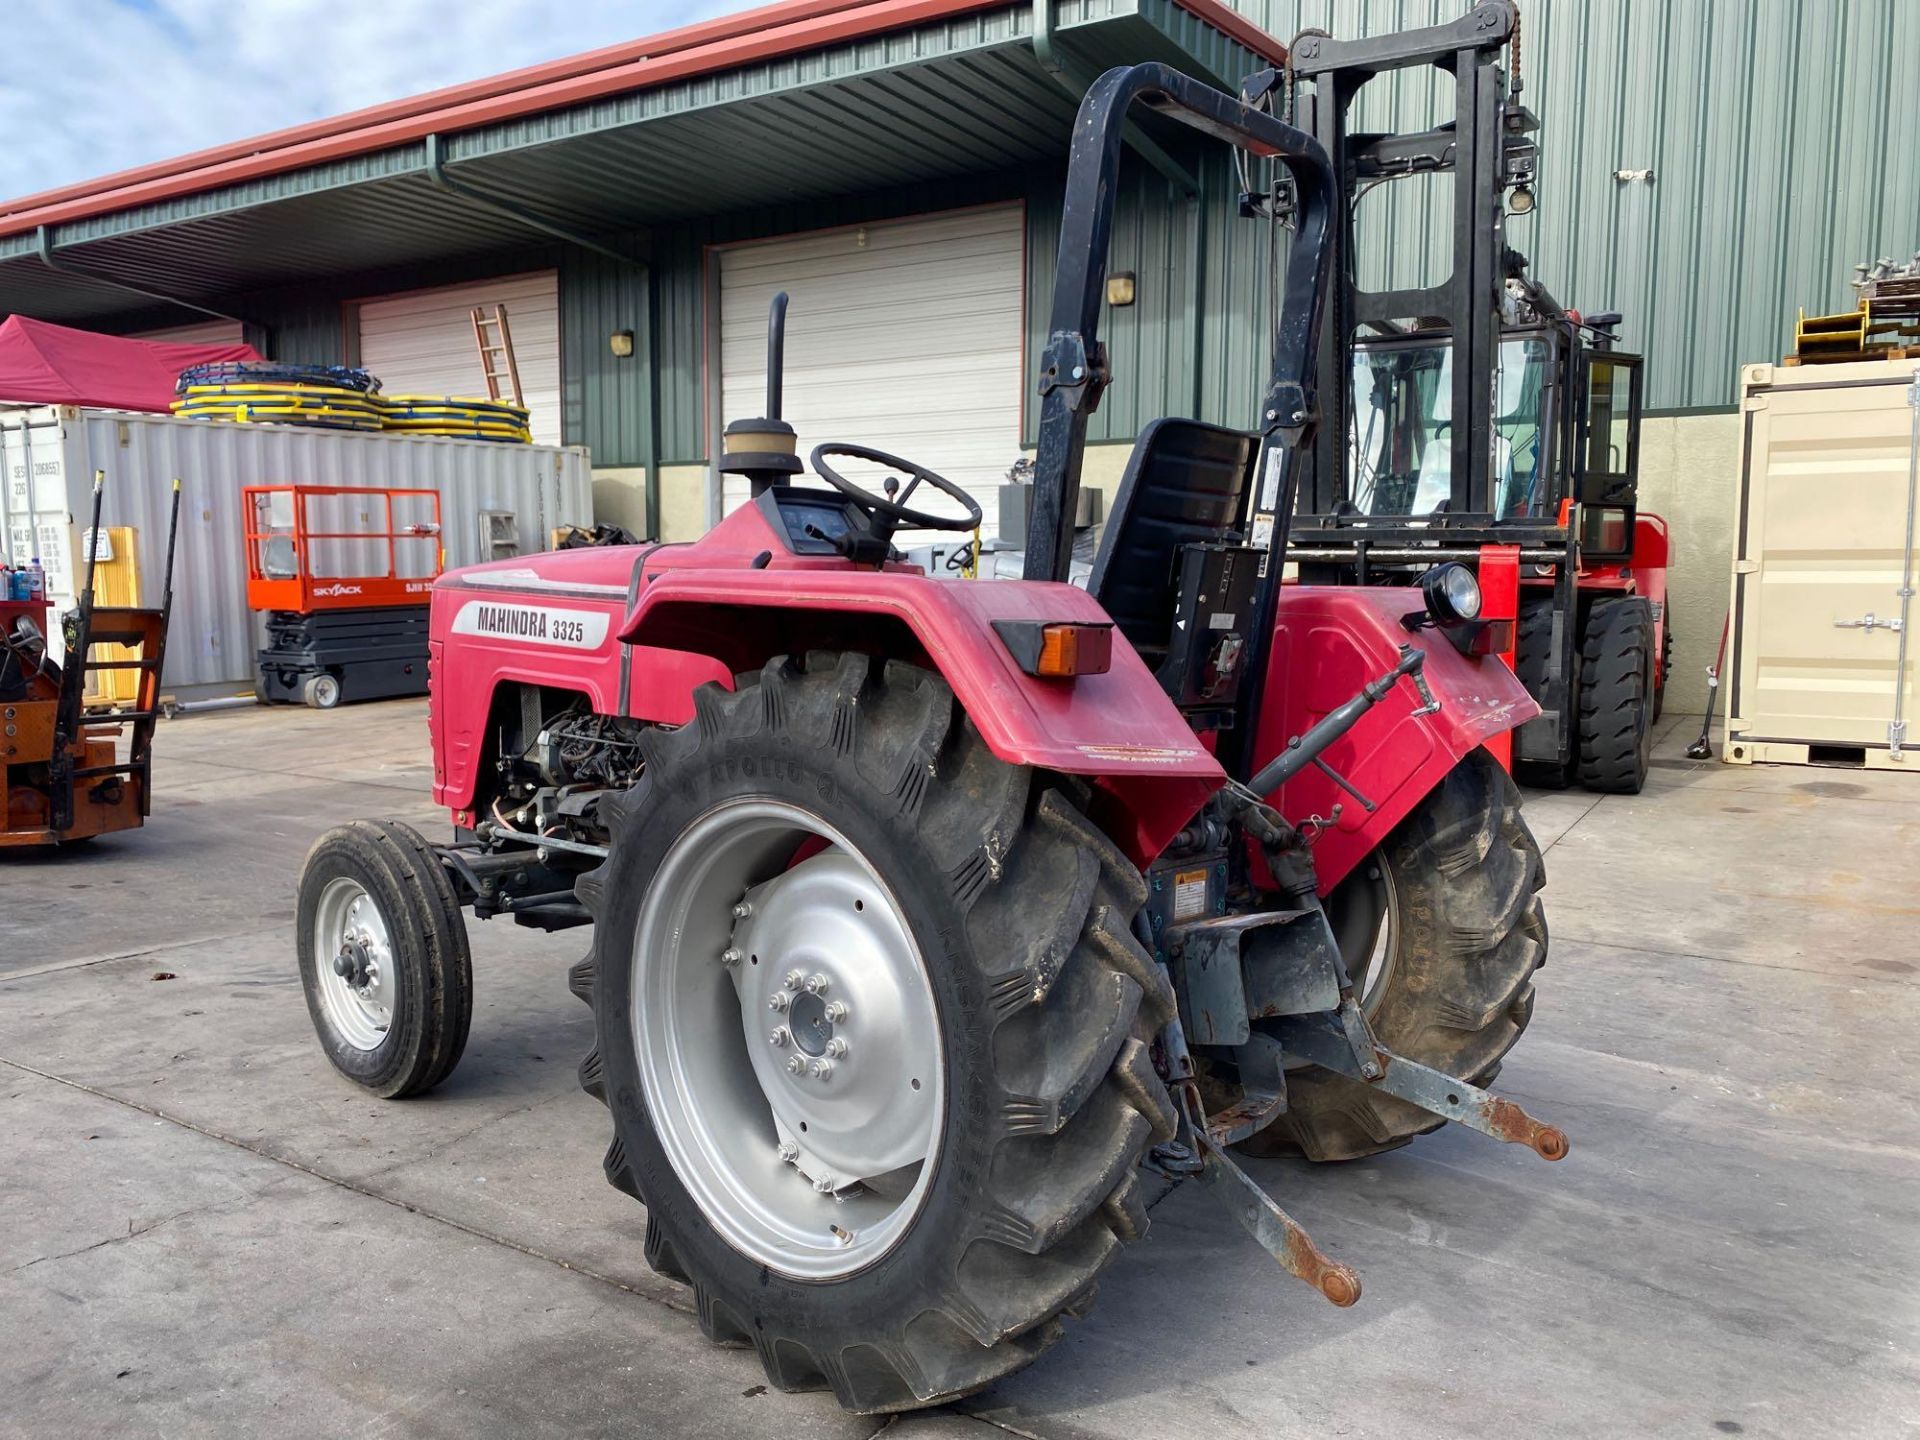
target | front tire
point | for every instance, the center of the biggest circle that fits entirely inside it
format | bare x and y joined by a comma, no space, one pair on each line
384,958
1441,929
844,823
1616,696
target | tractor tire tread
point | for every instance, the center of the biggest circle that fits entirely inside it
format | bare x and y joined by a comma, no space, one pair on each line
1464,991
1069,996
429,937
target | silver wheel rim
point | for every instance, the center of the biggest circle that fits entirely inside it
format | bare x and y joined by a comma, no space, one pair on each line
788,1040
1374,975
326,690
350,933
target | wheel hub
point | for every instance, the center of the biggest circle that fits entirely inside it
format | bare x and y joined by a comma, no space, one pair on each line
829,955
788,1041
357,987
807,1020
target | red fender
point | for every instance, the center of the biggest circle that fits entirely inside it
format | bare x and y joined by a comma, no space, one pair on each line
1652,551
1150,771
1328,642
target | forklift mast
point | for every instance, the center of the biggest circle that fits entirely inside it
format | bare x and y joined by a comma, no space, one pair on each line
1483,333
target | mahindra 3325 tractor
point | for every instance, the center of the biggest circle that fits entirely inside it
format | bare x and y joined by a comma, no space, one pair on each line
929,916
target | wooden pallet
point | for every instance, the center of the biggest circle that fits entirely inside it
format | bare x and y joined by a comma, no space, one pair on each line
1855,357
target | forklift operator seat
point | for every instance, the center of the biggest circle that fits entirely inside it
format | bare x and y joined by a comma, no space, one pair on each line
1184,485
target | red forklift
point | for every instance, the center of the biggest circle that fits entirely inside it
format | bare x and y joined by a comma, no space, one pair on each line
1480,421
344,574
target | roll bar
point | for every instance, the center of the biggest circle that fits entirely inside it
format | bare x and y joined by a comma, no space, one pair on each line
1074,366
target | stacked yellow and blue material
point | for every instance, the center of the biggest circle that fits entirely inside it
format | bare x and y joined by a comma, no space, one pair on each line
332,397
337,397
455,416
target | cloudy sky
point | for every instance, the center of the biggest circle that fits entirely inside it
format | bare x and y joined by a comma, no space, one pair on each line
94,86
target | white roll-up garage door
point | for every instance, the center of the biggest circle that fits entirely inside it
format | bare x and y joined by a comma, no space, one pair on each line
421,343
904,336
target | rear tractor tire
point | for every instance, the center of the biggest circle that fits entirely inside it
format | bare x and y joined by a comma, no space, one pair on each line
384,958
873,1028
1441,929
1616,696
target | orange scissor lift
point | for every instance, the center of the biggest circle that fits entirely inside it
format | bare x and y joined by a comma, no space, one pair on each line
344,575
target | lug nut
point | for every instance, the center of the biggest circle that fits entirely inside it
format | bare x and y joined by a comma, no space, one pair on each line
824,1184
795,979
789,1152
816,984
742,910
837,1048
778,1039
796,1065
837,1012
732,955
822,1069
778,1002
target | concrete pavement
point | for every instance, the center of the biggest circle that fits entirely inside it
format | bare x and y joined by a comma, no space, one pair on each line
204,1231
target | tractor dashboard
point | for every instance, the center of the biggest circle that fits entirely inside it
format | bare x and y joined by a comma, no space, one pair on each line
813,522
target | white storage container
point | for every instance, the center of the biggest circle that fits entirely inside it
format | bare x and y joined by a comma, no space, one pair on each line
1821,658
494,499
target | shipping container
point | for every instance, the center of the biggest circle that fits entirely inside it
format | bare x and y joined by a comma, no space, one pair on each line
495,499
1821,661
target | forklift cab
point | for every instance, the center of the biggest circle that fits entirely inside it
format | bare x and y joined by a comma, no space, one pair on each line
1566,427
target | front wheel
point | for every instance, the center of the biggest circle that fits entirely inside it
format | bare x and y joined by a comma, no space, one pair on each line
1441,930
1616,696
383,958
874,1031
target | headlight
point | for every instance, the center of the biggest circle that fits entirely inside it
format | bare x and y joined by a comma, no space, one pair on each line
1451,593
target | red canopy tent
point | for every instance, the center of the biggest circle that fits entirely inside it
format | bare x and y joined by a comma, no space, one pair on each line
43,364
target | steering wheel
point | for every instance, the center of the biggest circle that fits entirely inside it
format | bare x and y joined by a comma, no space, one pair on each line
892,506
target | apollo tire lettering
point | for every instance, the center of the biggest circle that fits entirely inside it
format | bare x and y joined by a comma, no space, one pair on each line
532,624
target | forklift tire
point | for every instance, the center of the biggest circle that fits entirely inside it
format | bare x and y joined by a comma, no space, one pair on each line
376,907
1441,929
1616,696
994,1014
1533,664
322,691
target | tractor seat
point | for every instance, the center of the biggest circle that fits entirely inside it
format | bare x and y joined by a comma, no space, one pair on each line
1183,486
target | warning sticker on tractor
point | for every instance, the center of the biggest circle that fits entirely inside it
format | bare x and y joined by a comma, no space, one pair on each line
1189,894
533,624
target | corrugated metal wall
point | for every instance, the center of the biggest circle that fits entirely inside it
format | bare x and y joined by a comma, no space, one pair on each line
1773,130
1175,350
214,635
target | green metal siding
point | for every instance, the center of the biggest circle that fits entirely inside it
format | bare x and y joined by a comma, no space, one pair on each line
1773,130
603,398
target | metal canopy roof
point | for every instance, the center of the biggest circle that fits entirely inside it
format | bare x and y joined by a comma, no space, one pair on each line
962,94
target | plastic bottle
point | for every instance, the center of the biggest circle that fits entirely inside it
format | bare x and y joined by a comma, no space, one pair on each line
36,580
18,586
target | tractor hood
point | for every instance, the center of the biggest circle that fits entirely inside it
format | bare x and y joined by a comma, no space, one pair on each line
598,570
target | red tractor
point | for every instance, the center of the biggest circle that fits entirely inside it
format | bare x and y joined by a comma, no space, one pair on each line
926,913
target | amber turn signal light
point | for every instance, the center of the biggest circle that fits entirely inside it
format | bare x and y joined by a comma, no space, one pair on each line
1058,649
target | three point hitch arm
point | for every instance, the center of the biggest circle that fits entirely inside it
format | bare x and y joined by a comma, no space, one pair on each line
1336,1039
